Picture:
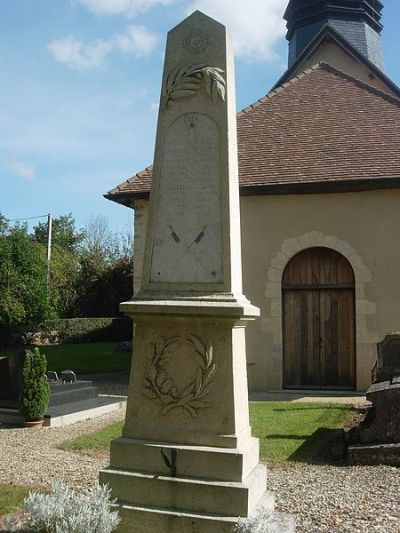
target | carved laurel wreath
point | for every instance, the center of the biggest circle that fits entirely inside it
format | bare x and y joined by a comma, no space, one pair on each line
188,80
158,384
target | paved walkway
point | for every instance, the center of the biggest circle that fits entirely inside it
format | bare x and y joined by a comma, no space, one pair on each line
301,396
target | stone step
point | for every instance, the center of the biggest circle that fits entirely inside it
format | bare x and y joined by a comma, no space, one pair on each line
136,518
224,464
374,454
192,495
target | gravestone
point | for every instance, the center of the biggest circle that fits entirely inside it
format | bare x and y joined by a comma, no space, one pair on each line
377,439
187,461
388,363
11,378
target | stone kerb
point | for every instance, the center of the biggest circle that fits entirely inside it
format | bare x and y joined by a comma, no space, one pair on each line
366,337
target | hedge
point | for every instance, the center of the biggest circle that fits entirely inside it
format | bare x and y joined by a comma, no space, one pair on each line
76,330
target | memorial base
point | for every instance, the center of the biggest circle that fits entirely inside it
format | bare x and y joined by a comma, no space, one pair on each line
187,462
149,499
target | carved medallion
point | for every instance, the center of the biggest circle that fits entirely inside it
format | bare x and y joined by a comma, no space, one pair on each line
180,373
196,42
188,80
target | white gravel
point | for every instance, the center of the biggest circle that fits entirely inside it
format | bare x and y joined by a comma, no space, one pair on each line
334,499
340,499
31,456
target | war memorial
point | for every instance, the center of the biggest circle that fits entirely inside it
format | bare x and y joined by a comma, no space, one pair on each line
187,461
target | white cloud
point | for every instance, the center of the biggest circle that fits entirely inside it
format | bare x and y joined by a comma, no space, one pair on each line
255,26
79,55
137,40
22,169
121,7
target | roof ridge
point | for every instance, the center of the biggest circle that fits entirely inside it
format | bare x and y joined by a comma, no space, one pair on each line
280,88
320,65
360,83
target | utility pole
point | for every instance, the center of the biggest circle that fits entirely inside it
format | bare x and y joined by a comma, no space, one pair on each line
49,235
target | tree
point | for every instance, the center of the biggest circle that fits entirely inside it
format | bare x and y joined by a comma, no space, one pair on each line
90,271
65,236
106,274
23,279
35,392
64,264
3,224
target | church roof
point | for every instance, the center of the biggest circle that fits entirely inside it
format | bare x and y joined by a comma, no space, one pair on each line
323,131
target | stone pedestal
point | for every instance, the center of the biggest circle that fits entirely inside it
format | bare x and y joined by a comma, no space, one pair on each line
187,461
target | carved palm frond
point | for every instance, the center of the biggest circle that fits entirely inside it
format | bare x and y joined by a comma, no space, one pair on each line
187,81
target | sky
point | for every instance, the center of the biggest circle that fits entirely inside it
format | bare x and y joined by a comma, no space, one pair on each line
80,85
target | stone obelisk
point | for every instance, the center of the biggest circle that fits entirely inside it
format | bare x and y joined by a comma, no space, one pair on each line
187,461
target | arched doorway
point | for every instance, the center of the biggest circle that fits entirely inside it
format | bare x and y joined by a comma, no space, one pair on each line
318,321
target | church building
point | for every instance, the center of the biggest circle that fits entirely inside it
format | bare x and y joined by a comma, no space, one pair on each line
319,171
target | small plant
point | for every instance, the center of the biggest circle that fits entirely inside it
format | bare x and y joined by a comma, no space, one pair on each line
65,511
35,394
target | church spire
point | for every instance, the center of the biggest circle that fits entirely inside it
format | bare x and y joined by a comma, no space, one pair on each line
358,21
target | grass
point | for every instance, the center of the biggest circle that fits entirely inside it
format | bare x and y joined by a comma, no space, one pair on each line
96,442
89,357
298,431
287,431
11,497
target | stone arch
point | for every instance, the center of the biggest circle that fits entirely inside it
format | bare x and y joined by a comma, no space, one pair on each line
366,337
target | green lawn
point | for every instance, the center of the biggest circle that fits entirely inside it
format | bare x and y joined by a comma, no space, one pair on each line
11,497
97,441
298,431
89,357
287,431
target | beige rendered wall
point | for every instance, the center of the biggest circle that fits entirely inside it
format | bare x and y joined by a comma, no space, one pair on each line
335,55
140,225
363,226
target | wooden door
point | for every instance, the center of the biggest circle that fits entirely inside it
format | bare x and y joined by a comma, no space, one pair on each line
318,321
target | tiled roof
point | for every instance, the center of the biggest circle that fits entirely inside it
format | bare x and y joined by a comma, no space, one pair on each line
321,127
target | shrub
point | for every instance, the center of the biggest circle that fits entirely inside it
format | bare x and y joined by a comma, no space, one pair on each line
35,393
64,511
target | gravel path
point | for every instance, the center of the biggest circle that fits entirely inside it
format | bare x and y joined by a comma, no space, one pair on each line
31,457
323,498
339,499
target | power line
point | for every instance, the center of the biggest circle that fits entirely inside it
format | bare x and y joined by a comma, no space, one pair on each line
27,218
